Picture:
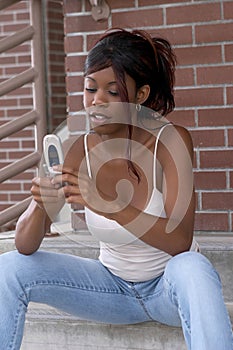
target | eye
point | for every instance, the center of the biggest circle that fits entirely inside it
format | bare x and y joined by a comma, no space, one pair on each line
91,90
113,93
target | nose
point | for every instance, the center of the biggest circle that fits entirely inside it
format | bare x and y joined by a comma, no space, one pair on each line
99,98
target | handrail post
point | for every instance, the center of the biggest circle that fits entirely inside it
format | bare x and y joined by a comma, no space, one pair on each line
38,64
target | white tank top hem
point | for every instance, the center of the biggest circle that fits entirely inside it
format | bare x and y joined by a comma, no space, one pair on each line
120,251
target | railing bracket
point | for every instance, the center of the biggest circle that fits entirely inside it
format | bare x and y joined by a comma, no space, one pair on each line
100,10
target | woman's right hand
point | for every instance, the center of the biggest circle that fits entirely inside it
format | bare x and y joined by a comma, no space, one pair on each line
48,196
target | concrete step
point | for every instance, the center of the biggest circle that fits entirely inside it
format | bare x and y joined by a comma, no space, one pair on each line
50,329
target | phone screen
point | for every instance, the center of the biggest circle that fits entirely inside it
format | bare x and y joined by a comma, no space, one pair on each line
53,155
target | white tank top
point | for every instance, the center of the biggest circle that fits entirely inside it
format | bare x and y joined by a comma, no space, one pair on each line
120,251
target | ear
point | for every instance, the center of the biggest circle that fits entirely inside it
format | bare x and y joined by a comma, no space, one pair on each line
142,94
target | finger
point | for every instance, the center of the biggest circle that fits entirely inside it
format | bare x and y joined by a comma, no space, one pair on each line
66,170
42,182
65,178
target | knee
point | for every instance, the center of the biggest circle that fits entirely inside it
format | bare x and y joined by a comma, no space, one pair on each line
13,264
191,267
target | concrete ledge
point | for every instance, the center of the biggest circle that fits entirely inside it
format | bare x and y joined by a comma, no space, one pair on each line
49,328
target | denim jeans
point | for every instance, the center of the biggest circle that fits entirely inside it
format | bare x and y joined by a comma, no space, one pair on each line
188,294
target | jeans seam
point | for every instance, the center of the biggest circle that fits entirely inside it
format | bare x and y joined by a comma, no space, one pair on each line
173,297
69,285
141,302
16,323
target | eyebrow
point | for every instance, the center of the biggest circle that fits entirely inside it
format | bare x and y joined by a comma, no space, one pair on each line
110,83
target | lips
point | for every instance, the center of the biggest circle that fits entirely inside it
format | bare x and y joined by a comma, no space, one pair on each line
99,119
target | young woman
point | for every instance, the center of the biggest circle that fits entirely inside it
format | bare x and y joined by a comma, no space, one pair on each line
133,174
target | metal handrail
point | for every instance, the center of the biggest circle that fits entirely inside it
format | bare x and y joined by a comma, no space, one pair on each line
35,117
18,124
21,79
19,166
16,39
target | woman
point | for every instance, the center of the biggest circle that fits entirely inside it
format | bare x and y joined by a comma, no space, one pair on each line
133,174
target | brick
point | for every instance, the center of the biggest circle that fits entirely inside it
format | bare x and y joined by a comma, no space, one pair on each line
6,17
8,187
27,188
193,13
199,55
176,35
210,180
138,18
91,40
208,138
184,77
23,134
213,33
29,144
16,155
83,24
230,137
230,95
216,159
19,6
199,97
228,10
113,4
74,44
71,6
185,118
231,179
215,117
228,52
24,59
213,221
23,16
75,63
158,2
215,75
4,198
75,103
13,28
217,200
74,84
7,60
18,197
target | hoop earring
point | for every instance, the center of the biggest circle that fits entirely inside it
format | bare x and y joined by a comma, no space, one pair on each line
138,107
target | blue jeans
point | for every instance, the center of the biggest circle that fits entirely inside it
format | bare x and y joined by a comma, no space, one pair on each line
188,294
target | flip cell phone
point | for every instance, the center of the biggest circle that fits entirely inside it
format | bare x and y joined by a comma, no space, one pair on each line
53,153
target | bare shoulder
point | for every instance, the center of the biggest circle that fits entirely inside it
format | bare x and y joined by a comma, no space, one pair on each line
177,136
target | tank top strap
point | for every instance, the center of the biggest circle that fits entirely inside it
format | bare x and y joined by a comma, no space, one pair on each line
155,152
87,156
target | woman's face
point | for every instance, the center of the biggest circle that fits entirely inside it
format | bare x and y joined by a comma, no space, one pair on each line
102,100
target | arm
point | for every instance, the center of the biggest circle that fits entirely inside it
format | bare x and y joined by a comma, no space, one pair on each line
35,221
174,233
48,199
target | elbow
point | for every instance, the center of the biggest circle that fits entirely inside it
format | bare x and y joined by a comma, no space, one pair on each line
24,248
24,251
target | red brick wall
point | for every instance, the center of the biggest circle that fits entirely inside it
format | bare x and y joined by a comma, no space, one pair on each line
55,60
20,101
202,35
15,104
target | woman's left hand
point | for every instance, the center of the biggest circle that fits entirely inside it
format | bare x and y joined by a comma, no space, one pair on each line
79,188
